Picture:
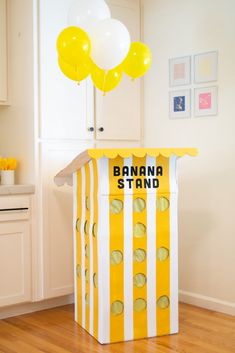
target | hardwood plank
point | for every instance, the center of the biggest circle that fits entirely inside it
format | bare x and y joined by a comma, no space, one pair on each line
54,331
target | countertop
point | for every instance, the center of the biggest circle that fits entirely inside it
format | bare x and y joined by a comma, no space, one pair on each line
16,189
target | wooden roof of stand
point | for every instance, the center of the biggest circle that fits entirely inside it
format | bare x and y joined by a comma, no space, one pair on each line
65,175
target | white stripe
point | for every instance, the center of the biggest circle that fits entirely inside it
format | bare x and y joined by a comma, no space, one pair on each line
91,330
151,255
103,252
75,244
128,260
83,247
173,247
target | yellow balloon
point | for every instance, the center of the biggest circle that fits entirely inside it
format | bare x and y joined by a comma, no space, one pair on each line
78,72
138,60
106,80
73,44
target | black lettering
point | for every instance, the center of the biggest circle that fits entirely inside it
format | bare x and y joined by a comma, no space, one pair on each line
120,184
134,171
159,171
147,183
116,171
138,183
151,171
142,171
125,171
130,181
155,183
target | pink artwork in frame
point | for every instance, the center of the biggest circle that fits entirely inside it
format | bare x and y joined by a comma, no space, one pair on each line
179,71
205,100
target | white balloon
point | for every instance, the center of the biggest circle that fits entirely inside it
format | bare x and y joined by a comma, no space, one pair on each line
87,13
110,43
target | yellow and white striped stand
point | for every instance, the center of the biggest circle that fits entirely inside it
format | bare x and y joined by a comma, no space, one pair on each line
126,251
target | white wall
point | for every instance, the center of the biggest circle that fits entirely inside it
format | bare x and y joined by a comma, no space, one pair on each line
16,121
207,183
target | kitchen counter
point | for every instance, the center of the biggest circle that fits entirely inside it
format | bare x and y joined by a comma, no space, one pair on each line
16,189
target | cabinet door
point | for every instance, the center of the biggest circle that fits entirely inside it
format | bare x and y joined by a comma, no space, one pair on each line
119,112
66,108
57,219
15,263
3,52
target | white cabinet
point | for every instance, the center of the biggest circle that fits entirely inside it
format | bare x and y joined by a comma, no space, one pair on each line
57,219
15,251
64,112
67,110
119,112
3,53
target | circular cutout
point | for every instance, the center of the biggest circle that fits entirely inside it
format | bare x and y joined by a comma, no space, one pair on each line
117,308
78,225
116,206
95,280
139,205
163,204
162,254
116,257
139,280
86,227
87,275
139,255
88,203
86,298
140,305
94,230
86,250
78,270
163,302
139,230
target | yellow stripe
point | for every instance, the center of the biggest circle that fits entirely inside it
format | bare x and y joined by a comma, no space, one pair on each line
116,251
78,248
140,317
87,247
95,257
163,240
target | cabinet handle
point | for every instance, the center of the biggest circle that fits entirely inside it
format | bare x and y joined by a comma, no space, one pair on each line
101,129
90,129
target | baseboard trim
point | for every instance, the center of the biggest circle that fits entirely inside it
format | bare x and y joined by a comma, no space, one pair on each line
26,308
207,302
202,301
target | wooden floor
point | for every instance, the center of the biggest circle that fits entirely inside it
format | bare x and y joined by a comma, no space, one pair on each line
54,331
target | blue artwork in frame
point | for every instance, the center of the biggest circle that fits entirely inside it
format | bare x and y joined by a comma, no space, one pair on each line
179,104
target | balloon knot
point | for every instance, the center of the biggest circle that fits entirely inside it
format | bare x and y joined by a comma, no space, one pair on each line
133,79
78,83
104,94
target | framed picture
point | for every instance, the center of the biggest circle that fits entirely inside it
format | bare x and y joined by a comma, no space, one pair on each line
206,67
180,71
180,104
205,101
